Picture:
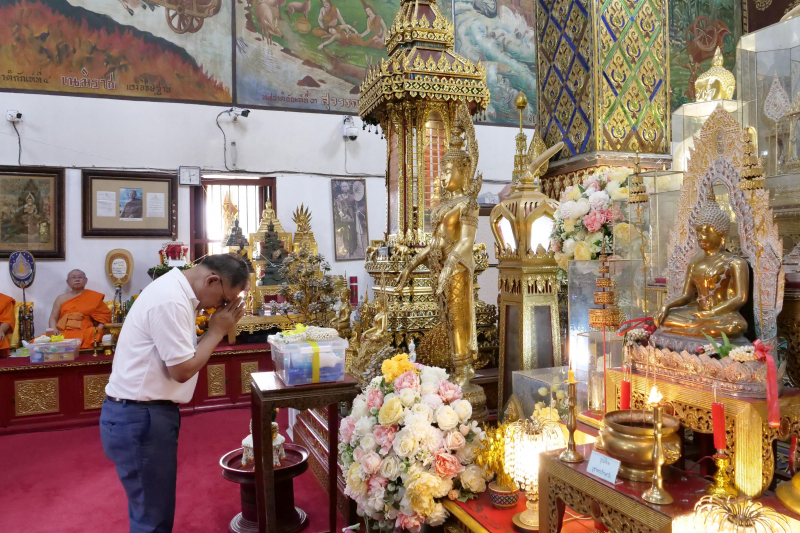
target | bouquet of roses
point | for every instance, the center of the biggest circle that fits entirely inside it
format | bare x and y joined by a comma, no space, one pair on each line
586,216
407,443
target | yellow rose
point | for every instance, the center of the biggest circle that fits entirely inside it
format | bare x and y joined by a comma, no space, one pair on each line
394,367
572,193
569,225
622,233
562,260
420,493
391,412
619,194
354,481
582,251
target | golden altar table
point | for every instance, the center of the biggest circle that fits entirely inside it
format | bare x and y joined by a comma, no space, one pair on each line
749,436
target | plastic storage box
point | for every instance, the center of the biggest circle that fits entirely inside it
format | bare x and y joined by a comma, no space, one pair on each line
294,362
49,352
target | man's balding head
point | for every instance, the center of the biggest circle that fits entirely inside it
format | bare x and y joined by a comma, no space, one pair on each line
76,279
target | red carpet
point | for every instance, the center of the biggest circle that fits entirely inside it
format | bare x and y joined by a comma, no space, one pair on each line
62,482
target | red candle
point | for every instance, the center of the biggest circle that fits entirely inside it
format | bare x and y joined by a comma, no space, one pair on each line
718,418
625,395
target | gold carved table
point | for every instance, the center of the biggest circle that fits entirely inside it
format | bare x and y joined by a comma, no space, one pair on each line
269,392
749,436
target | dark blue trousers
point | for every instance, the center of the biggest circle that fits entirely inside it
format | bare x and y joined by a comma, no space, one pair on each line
142,441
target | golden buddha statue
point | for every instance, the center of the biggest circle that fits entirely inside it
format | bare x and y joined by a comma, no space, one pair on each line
716,284
449,254
717,83
380,324
342,320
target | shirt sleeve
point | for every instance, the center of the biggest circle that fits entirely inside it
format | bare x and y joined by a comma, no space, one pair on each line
173,332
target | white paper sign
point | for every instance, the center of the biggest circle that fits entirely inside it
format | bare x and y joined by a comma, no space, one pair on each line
176,263
106,204
603,467
155,204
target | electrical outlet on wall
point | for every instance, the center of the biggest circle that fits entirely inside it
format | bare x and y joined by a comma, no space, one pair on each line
13,116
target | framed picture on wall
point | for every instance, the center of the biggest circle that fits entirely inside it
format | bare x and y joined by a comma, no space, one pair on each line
32,211
350,235
129,204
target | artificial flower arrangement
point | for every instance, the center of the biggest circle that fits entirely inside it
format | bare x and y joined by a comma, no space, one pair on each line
407,443
586,219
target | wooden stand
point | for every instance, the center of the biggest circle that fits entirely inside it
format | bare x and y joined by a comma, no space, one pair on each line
290,519
269,392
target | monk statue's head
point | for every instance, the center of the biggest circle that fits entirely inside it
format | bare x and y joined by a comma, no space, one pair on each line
712,225
76,280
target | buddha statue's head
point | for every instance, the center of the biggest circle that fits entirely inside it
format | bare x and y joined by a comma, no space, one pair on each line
712,225
455,163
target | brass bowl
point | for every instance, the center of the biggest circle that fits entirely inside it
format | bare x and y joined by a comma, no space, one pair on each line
628,437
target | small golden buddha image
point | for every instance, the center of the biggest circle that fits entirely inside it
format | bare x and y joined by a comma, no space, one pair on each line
717,83
715,287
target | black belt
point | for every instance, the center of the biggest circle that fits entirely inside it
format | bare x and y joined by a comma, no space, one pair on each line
147,402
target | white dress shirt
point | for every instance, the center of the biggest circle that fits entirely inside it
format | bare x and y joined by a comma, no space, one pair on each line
159,331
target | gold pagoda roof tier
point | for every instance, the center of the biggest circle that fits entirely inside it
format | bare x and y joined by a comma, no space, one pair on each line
422,64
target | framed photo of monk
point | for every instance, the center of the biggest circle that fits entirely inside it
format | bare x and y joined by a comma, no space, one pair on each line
32,211
350,234
129,204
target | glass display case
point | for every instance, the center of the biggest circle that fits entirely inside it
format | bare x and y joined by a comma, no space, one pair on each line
686,123
545,387
768,80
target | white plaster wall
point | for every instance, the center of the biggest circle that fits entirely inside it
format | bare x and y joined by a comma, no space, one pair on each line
301,149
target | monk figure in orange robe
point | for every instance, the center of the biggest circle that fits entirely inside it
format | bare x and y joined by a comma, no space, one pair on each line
7,322
80,313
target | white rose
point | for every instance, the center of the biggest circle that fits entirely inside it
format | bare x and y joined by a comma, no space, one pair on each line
438,516
422,410
390,467
466,454
405,445
473,479
416,424
599,200
389,397
368,442
446,418
433,374
566,210
376,382
569,246
408,397
429,387
580,209
445,486
463,409
364,425
434,401
375,499
360,408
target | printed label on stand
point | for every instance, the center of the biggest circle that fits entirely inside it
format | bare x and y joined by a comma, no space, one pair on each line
603,466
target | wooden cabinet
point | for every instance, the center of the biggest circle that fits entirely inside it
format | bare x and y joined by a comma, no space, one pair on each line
70,394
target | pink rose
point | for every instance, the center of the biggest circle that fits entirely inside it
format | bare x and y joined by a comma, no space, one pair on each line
454,494
447,465
384,436
376,482
607,215
464,429
449,392
371,462
594,221
358,454
346,428
407,380
374,399
555,245
412,523
434,401
454,440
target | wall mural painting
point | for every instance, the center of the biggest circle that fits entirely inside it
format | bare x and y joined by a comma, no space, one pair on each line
163,49
696,29
500,33
309,54
759,14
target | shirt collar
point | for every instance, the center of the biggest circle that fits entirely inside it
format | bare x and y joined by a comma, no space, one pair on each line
187,288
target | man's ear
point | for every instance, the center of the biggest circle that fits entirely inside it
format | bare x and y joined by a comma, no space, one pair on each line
211,278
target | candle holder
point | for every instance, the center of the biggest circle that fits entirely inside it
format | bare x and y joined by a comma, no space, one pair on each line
722,486
656,493
571,455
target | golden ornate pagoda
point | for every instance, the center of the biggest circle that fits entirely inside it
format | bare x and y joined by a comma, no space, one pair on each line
521,225
413,95
303,236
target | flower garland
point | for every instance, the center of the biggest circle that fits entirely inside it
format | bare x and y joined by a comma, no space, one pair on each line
586,219
407,443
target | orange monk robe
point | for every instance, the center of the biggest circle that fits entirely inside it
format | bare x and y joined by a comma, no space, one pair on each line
7,316
90,305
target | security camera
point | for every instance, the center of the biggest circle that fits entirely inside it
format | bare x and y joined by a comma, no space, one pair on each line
13,116
349,129
236,112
